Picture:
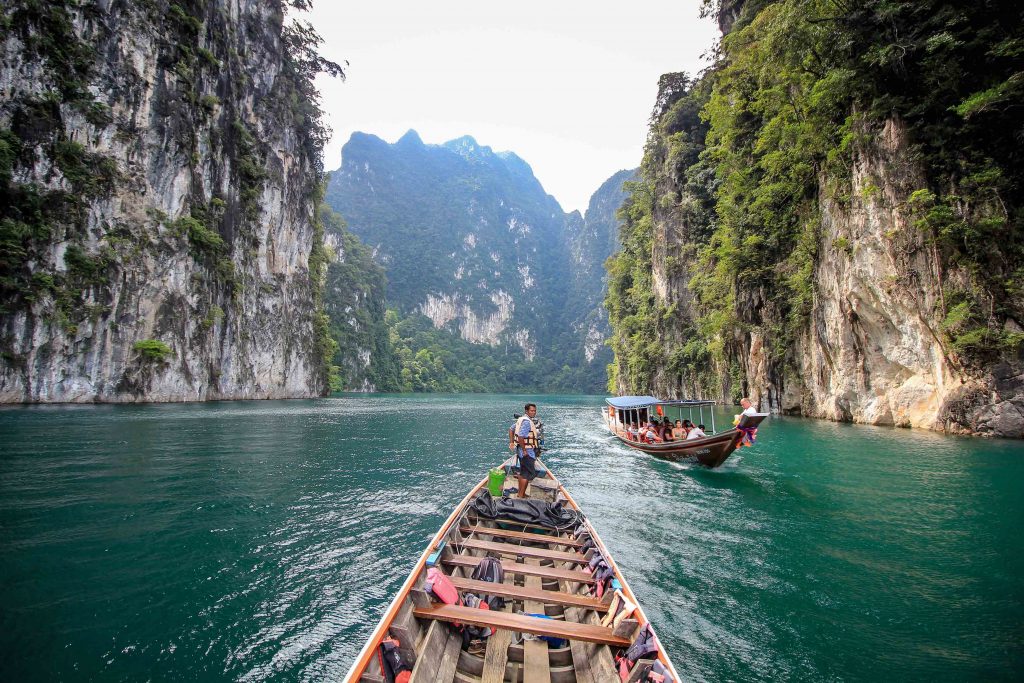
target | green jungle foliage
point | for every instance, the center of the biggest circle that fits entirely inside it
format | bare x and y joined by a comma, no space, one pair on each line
354,307
798,90
392,352
152,350
434,360
461,221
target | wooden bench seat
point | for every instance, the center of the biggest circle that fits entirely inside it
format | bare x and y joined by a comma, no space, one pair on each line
506,590
524,569
590,633
523,551
474,519
521,536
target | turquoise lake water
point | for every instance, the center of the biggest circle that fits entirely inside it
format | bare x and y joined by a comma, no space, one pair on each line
254,540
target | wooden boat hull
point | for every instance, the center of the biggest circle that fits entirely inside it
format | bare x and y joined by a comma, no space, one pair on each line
419,624
710,451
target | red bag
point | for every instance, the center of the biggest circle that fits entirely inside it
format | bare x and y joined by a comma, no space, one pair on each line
441,587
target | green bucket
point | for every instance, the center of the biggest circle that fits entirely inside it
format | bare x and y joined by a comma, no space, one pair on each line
496,480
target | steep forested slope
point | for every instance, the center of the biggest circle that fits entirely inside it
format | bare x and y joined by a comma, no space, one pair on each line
830,218
508,285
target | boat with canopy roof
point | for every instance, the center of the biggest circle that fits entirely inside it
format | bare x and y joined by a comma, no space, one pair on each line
711,450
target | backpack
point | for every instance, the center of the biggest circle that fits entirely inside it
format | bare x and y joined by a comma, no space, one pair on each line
470,633
489,569
646,643
392,666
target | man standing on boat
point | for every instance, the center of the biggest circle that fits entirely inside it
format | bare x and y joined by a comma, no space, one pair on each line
526,442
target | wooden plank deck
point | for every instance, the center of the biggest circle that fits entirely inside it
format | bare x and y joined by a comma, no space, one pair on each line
536,668
521,535
523,551
524,569
507,590
591,633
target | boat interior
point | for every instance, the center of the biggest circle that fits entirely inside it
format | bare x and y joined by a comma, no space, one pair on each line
619,419
553,626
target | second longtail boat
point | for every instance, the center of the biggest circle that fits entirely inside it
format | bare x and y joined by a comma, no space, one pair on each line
626,416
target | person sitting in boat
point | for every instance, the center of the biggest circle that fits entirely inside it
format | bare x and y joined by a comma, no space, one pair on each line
650,433
678,433
632,433
748,407
528,443
696,433
666,430
687,427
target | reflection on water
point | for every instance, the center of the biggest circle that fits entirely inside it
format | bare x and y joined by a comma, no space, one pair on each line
243,541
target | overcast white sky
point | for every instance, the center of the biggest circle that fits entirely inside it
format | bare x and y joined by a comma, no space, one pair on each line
565,84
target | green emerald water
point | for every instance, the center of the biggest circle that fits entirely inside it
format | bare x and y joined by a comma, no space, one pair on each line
246,541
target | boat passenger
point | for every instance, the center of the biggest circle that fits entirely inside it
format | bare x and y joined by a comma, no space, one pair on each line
651,433
687,426
696,433
678,433
633,433
527,441
666,430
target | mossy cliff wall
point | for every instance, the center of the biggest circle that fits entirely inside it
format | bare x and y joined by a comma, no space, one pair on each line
159,164
829,220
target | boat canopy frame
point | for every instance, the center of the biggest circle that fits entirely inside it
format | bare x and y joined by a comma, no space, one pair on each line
635,404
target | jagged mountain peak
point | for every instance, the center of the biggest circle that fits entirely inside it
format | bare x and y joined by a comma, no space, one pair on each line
411,137
516,163
468,148
470,240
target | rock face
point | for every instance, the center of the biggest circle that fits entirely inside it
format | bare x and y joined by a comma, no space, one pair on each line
591,239
160,177
354,305
467,236
873,351
883,338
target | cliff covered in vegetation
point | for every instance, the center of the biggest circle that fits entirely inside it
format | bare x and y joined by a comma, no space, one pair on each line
159,171
492,286
829,219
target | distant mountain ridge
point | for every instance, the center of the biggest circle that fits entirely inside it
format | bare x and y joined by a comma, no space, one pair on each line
470,239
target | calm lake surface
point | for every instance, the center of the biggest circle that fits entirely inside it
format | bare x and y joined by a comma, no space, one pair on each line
254,540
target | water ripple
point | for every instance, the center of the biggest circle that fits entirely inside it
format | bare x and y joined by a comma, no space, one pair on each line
247,541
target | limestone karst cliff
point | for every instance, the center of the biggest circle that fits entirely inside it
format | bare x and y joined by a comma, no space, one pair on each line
471,242
831,224
160,165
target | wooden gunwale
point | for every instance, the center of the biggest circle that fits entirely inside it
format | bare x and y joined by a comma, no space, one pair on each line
370,648
368,651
